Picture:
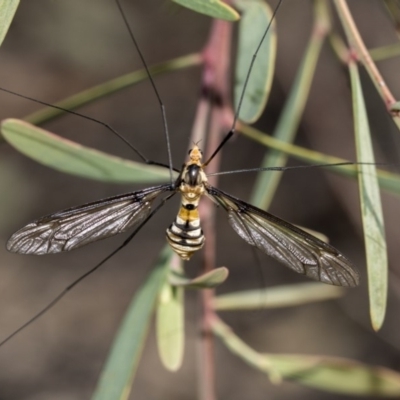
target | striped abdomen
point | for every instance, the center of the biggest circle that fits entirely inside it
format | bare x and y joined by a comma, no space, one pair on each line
185,235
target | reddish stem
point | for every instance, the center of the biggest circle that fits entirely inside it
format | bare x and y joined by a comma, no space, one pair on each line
215,85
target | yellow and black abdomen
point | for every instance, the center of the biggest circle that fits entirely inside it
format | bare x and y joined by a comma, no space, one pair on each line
185,235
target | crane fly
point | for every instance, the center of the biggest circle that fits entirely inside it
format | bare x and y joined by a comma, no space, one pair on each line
75,227
78,226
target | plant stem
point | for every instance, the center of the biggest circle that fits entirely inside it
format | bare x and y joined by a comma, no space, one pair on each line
358,48
215,85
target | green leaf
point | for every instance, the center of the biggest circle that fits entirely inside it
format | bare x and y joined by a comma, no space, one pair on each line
7,11
338,375
208,280
72,158
371,208
388,181
255,18
385,52
171,326
112,86
331,374
289,120
279,296
117,376
212,8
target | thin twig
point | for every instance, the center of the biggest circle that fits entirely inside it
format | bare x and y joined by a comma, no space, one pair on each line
357,45
215,93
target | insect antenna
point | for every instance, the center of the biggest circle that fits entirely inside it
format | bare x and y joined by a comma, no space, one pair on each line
160,102
236,116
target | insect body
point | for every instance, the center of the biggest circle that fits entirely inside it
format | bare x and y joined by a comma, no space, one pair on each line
185,235
286,243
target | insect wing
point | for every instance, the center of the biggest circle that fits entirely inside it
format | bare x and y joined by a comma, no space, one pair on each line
288,244
78,226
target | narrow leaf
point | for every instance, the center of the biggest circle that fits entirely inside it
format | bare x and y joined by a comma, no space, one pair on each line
385,52
212,8
256,16
338,375
72,158
170,326
371,208
276,297
327,373
289,120
208,280
388,180
7,11
107,88
117,376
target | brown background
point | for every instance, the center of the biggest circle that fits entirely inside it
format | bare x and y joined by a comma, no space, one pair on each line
55,49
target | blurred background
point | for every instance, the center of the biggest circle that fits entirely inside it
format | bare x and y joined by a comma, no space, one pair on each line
55,49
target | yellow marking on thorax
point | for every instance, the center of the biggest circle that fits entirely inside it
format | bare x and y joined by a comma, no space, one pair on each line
191,194
188,215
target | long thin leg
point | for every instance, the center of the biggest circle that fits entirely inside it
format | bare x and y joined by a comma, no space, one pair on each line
109,127
76,281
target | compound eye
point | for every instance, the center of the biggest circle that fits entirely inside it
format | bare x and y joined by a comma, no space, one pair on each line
190,151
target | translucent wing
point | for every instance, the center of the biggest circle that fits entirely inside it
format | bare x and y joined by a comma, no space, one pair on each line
288,244
77,226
